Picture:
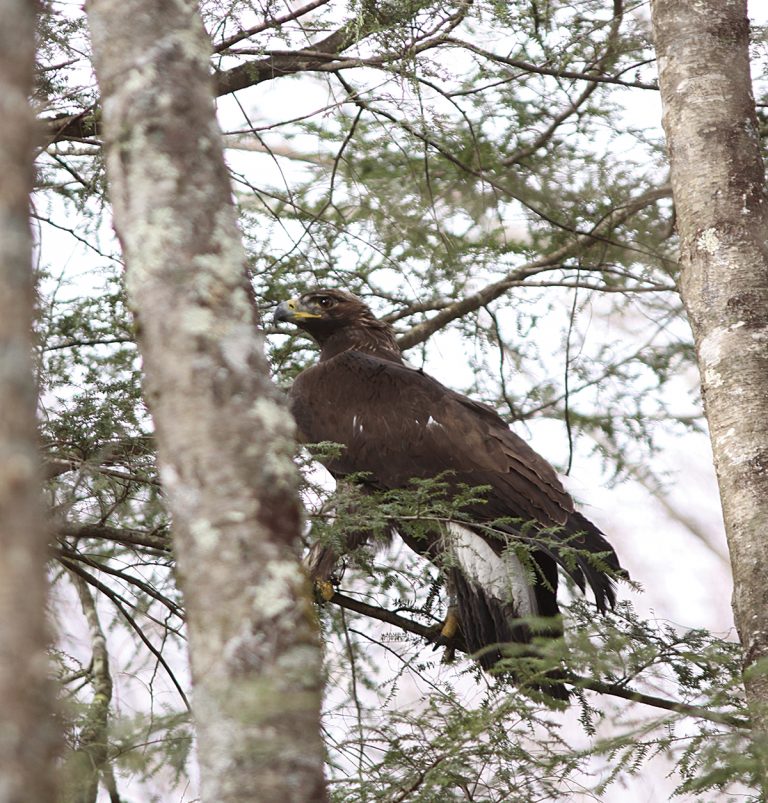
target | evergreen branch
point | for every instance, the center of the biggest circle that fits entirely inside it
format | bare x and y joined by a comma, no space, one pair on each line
447,153
427,41
86,125
55,467
582,238
545,136
291,62
625,693
319,56
383,615
610,689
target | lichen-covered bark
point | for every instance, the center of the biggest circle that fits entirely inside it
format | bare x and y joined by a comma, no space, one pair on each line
27,731
718,182
225,440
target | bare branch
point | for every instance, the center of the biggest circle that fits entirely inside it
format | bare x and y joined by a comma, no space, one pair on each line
273,22
138,538
542,70
118,601
471,303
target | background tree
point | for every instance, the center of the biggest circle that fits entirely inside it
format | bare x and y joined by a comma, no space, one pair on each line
29,733
225,438
489,178
720,195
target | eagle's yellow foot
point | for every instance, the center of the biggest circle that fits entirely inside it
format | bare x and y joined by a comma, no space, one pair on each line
448,635
325,589
450,625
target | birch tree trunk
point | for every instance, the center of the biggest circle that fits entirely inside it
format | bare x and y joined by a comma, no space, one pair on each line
225,440
27,731
718,181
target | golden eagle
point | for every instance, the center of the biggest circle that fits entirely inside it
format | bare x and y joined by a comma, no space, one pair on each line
398,424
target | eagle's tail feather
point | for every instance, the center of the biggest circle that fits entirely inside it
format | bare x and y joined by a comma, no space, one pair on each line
587,538
491,626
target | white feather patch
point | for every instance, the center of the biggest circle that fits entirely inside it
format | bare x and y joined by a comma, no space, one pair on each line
502,577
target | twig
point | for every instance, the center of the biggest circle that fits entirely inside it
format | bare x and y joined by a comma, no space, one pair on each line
268,23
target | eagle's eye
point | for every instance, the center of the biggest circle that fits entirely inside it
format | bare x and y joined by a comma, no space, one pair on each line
324,301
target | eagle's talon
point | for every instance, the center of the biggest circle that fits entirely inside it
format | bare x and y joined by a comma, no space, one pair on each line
447,635
451,625
325,590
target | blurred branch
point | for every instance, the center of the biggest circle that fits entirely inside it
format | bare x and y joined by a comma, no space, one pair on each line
83,765
55,467
526,66
274,22
74,344
138,538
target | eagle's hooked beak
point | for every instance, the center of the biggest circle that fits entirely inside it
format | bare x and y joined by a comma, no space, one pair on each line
293,311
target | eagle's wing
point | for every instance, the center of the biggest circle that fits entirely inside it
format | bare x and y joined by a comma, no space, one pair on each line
398,423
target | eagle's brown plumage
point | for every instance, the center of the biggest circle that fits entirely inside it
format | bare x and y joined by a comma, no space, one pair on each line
397,424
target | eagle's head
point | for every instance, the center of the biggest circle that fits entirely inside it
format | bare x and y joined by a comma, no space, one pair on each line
339,321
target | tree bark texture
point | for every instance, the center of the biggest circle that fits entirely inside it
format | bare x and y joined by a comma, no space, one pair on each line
28,739
225,440
718,182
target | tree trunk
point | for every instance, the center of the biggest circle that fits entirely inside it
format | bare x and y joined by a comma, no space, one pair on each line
225,440
28,738
718,181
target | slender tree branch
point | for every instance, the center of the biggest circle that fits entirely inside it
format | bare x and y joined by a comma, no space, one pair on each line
658,702
75,344
471,303
130,579
613,690
280,64
273,22
553,71
74,567
383,615
138,538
